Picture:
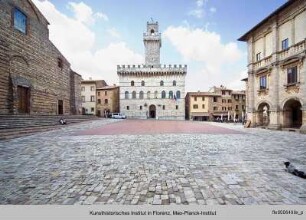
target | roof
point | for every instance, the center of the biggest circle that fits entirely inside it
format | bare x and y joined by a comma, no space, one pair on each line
108,87
238,92
277,11
202,94
245,79
100,83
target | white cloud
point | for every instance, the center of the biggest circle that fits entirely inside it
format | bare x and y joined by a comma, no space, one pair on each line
113,33
84,14
213,10
200,9
213,61
75,39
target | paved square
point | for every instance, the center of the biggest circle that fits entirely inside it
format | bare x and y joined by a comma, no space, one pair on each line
152,162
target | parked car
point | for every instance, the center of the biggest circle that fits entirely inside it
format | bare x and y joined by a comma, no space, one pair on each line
118,116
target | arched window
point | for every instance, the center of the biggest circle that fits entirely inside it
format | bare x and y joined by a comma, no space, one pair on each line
132,83
170,95
178,95
163,95
133,95
155,94
142,83
152,31
126,95
161,83
141,95
148,95
174,83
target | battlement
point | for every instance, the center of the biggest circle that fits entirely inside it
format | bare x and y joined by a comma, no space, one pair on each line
151,69
154,36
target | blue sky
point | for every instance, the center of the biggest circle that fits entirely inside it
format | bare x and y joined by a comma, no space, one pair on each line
95,36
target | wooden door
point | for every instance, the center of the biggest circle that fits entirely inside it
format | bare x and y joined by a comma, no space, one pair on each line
23,100
60,107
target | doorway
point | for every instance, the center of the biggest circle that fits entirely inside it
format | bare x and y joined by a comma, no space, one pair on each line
152,111
60,107
23,100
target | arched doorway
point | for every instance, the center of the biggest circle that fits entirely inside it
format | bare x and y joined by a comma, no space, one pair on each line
292,114
152,111
263,114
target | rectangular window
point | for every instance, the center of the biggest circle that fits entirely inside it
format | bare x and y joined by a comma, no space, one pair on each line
106,101
236,107
229,101
82,88
285,44
92,98
92,88
105,93
20,21
242,107
98,93
195,106
203,98
195,98
99,101
258,56
215,108
164,107
203,106
60,63
215,99
292,75
223,101
263,82
83,98
127,107
176,107
223,92
140,107
229,108
92,109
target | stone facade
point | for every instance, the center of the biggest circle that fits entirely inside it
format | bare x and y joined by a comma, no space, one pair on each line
152,90
218,103
277,70
35,78
107,100
88,95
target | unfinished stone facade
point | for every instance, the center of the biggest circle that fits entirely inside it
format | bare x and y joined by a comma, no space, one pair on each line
276,81
35,78
152,90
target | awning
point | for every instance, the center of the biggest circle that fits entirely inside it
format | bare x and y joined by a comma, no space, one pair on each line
199,114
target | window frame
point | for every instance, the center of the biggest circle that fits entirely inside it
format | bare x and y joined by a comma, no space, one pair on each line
294,74
258,56
285,44
14,10
263,82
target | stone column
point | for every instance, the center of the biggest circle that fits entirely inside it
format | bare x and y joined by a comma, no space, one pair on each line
274,86
303,127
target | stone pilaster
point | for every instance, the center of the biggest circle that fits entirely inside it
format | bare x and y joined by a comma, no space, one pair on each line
303,127
274,117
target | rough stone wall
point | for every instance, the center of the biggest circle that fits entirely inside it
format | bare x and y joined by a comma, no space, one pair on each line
31,60
75,93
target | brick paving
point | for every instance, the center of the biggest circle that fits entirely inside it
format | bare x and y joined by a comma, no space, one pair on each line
151,162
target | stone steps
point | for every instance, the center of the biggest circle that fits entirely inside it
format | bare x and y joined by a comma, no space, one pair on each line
12,126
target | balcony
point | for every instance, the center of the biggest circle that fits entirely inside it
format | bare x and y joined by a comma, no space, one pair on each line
263,63
292,51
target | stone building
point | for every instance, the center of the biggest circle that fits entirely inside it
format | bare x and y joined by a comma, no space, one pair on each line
107,100
152,90
218,103
35,78
88,95
276,81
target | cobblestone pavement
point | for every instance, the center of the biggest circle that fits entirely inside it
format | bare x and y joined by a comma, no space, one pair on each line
242,167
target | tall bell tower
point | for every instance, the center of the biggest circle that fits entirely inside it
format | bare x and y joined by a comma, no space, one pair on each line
152,43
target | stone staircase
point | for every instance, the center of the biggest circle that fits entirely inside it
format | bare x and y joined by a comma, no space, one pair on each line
13,126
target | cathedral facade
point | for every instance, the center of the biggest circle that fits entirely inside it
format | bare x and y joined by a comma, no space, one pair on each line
152,90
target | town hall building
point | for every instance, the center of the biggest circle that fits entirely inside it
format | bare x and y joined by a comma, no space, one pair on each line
152,90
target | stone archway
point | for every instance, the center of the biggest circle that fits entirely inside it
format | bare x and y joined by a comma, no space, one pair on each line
152,111
263,115
292,114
